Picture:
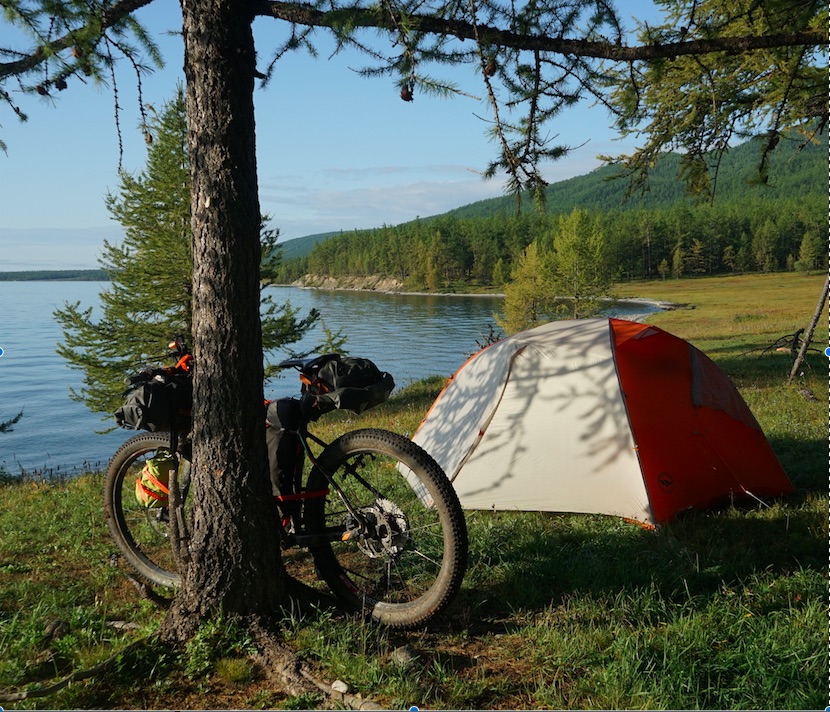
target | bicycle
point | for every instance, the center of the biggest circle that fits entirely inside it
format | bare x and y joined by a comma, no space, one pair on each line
377,514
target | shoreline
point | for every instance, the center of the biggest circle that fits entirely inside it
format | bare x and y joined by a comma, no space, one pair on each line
658,305
394,292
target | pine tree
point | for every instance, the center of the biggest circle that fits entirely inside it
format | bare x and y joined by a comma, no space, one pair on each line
812,253
765,244
500,272
677,261
729,258
149,300
697,257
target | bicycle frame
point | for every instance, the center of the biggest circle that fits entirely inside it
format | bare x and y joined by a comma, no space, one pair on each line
339,533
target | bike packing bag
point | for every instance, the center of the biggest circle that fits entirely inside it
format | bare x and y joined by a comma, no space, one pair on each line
285,451
152,486
156,400
343,382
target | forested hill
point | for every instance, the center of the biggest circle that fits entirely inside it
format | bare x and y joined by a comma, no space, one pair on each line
57,275
793,171
749,226
302,246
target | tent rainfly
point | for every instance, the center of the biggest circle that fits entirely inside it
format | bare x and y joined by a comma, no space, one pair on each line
598,415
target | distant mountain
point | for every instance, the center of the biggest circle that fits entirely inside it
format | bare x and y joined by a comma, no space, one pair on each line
793,171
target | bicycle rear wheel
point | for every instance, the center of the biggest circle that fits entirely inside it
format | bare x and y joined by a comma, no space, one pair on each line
142,533
407,565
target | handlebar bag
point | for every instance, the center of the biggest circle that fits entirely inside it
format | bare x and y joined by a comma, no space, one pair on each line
157,400
343,382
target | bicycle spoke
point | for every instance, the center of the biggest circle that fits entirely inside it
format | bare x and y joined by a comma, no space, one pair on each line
417,552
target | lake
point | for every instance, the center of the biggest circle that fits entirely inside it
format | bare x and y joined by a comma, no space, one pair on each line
411,336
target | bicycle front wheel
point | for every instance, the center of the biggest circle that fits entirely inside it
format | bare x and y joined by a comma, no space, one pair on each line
142,533
403,552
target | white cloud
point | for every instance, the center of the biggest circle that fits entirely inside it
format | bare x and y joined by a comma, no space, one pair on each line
337,198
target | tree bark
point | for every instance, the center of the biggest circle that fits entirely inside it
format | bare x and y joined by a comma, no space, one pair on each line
234,559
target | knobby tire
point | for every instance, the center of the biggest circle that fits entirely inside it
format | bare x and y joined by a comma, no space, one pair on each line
404,585
142,534
413,568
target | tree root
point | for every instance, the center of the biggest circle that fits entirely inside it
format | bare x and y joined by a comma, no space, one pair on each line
280,663
294,676
302,597
146,591
306,599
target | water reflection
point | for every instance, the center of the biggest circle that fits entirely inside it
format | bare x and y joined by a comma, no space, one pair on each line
410,335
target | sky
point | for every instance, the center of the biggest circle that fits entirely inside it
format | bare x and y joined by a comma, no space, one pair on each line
336,151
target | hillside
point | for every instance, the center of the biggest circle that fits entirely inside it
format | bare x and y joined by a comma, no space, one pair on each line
793,172
302,246
751,226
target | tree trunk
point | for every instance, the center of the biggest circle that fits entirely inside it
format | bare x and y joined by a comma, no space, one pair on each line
805,343
234,563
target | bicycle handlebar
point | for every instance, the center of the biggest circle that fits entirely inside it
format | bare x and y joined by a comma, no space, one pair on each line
305,364
177,349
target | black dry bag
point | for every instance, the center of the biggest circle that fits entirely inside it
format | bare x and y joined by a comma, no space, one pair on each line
156,400
343,382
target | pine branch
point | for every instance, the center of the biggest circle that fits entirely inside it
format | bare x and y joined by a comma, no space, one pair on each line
108,18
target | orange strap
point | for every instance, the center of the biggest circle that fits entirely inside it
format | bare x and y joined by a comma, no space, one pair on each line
149,492
316,383
154,481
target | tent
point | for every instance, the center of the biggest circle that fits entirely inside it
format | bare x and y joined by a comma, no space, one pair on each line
598,415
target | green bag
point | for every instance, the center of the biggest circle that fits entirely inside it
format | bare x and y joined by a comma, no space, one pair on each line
152,486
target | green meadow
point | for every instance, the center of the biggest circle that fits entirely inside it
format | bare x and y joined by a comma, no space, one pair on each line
722,609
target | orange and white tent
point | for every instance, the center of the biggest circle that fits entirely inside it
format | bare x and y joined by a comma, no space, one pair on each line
598,415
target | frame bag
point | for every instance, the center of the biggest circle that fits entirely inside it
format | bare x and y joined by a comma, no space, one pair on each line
285,453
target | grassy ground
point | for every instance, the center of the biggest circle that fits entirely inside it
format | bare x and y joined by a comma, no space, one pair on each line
724,609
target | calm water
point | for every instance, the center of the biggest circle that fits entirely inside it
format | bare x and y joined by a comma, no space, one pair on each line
411,336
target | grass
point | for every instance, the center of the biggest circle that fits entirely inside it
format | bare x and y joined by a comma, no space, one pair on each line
720,610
